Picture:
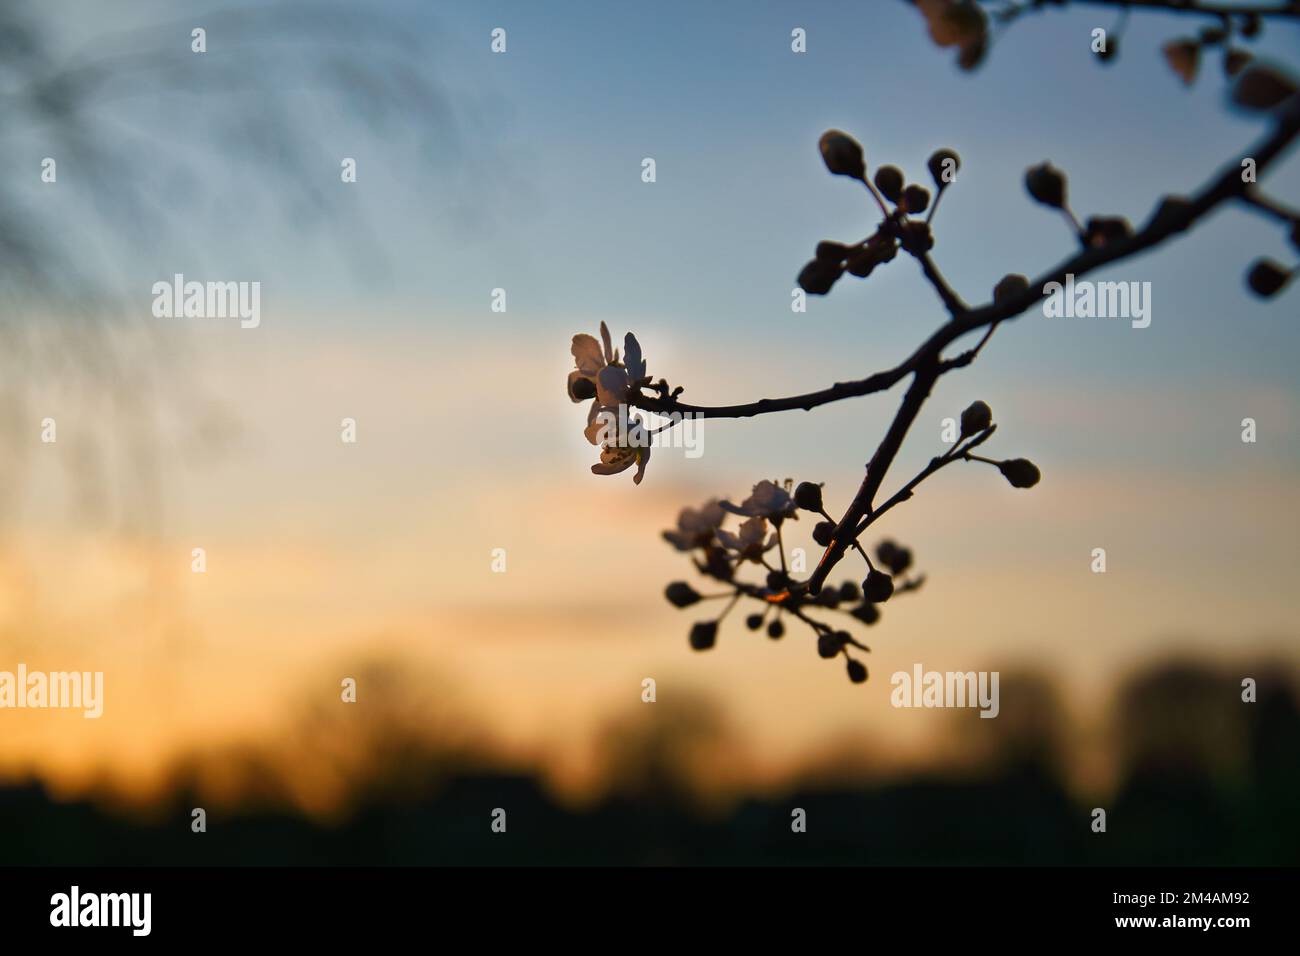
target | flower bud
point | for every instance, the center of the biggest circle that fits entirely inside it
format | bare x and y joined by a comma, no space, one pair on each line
808,496
1009,287
866,612
776,630
1267,278
916,199
1102,230
894,557
824,532
860,264
818,276
704,634
889,180
1110,51
916,236
842,154
754,622
1213,35
828,645
1183,56
1046,184
977,417
941,170
777,581
681,594
828,597
1262,88
1171,214
1021,472
877,587
828,251
849,591
857,671
1234,61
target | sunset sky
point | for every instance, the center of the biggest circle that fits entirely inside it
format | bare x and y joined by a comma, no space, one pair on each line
323,556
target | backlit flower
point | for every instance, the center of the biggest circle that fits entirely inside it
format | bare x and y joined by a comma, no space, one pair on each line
696,526
749,544
767,500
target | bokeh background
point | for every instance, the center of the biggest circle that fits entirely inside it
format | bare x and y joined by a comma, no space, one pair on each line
522,690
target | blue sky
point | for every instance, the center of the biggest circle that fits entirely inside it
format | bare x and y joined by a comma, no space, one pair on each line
531,182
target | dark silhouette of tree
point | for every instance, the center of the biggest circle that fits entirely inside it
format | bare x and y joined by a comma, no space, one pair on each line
109,111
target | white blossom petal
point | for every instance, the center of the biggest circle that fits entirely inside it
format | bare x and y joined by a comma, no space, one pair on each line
587,355
612,385
632,358
609,346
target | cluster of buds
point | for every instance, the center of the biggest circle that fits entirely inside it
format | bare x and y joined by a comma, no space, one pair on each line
724,556
759,544
900,204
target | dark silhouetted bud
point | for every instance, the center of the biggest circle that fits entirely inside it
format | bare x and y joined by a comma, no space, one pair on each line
1261,88
1111,50
1267,278
916,236
1183,56
943,165
776,630
866,612
808,496
704,635
877,250
861,262
877,587
916,199
849,591
1250,24
828,645
894,557
857,671
1295,233
889,180
842,154
681,594
754,622
717,564
828,597
1046,183
1021,472
1009,287
777,581
1213,35
1234,61
1171,214
582,389
818,276
828,251
977,417
824,532
970,54
1101,230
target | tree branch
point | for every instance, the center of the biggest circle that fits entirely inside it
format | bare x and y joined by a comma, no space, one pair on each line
1172,218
